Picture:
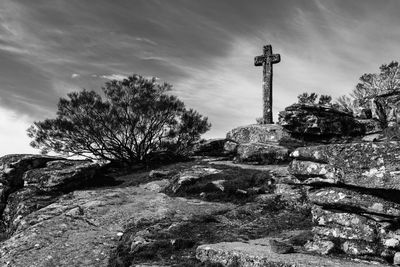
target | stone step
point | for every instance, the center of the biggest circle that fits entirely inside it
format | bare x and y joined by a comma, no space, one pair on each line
255,253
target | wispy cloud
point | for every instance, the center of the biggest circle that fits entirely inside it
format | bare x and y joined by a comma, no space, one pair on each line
114,77
145,40
204,48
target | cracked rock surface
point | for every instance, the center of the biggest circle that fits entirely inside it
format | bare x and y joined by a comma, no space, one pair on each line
82,227
355,192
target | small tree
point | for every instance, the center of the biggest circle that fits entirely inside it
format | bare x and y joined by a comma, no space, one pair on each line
346,103
373,84
374,87
325,100
136,119
306,98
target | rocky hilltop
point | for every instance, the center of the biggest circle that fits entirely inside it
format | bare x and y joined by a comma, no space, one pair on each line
303,193
59,212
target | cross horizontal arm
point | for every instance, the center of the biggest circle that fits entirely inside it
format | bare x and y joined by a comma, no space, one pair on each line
259,60
275,58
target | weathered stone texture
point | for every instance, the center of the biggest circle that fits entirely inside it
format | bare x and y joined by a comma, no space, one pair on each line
61,175
370,126
260,153
323,122
257,133
257,253
267,59
353,201
83,227
12,170
190,176
230,148
31,182
42,186
356,196
367,165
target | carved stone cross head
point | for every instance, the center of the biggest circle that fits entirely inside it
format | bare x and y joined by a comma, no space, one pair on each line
267,57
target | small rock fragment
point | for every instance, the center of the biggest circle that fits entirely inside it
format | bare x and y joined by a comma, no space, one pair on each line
323,247
280,247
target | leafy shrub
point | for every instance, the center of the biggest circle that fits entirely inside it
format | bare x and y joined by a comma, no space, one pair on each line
306,98
136,120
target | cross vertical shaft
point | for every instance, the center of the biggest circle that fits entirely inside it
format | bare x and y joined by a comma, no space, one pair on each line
266,60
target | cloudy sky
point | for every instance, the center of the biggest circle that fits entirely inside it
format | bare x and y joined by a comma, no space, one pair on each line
204,48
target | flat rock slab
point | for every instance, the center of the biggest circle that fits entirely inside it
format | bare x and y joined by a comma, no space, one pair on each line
191,176
275,170
353,201
258,253
83,227
367,165
259,153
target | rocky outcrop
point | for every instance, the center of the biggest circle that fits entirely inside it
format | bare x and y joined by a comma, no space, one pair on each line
257,144
12,169
43,186
260,252
355,196
256,133
218,182
31,182
366,165
324,123
83,227
132,225
386,108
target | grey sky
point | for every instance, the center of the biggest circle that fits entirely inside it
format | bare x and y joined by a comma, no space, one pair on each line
204,48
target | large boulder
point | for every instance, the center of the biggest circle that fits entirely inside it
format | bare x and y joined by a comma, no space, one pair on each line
367,165
61,175
218,182
257,133
38,181
346,225
319,122
258,143
353,201
355,192
12,169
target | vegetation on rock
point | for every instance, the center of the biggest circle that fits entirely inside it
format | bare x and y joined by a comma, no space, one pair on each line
371,88
136,121
311,98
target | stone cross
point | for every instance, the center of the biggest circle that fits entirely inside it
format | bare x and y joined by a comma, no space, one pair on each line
266,60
